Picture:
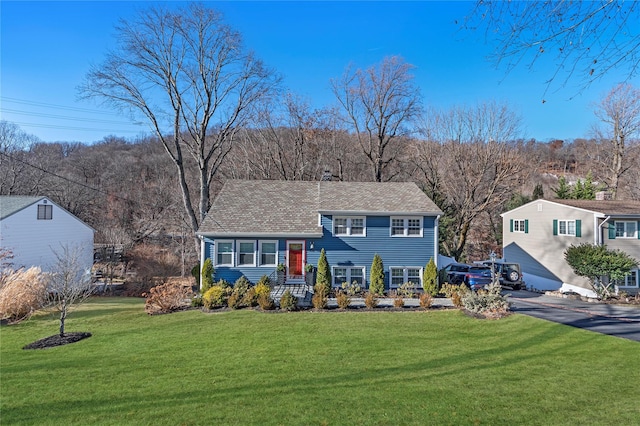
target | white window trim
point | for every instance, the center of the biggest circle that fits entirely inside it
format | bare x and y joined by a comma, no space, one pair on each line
254,251
637,271
517,225
215,254
405,220
405,277
348,268
567,221
626,235
259,259
349,218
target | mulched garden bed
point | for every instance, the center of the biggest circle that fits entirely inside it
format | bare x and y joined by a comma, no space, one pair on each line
57,340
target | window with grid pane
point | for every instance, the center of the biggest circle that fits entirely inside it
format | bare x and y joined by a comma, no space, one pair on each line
397,277
413,275
413,227
246,252
224,252
406,226
626,229
45,212
268,253
349,226
340,226
397,226
339,276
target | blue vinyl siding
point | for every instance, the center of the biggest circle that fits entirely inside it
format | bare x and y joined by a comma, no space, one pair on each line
349,250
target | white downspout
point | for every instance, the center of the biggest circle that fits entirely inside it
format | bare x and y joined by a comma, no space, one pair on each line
202,255
600,237
436,231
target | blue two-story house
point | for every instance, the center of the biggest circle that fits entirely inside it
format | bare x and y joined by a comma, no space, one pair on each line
254,226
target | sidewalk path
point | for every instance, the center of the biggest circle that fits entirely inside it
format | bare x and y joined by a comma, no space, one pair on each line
614,320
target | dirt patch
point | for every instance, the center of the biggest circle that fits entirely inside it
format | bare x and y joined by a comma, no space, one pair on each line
57,340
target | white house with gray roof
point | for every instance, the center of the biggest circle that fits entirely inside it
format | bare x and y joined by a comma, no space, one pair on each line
537,234
33,229
254,226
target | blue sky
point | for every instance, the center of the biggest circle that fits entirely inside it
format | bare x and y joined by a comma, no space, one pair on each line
47,48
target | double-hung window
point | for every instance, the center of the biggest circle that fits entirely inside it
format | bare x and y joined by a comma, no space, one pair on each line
246,253
349,274
45,212
268,253
626,229
519,225
567,227
224,253
406,226
349,226
402,275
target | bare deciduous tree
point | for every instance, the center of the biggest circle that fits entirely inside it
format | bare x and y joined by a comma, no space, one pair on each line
620,112
585,38
69,282
467,166
187,73
379,103
13,168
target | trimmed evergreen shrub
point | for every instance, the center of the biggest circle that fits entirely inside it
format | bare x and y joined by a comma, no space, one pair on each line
323,277
266,302
430,278
426,300
207,275
370,300
215,297
342,299
288,301
376,278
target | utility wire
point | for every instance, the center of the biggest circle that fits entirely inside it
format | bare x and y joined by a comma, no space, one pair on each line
84,185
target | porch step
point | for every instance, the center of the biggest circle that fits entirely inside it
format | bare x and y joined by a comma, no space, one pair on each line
302,292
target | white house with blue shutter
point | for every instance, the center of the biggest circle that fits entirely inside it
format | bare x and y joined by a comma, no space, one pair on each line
537,234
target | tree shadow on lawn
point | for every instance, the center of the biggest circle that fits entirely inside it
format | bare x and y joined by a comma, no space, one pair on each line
382,377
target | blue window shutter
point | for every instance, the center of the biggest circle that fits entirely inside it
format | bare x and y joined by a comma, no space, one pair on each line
526,226
555,226
510,225
612,230
638,229
578,228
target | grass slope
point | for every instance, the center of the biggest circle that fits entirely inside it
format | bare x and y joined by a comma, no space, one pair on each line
247,367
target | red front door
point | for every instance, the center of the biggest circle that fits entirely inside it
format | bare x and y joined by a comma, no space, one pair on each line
295,258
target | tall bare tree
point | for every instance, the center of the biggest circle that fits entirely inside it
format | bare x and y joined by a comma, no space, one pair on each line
468,166
379,103
14,143
187,73
587,39
619,110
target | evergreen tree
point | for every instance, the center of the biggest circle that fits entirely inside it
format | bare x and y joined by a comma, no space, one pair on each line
207,275
376,279
588,189
563,191
430,278
323,278
538,192
578,191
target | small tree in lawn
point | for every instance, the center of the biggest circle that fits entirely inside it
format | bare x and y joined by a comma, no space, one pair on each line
69,283
207,275
323,279
601,265
376,278
430,278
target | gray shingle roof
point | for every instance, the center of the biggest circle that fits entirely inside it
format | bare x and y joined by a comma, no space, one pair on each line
261,207
10,204
606,207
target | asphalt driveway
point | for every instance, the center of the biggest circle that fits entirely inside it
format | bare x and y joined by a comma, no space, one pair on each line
614,320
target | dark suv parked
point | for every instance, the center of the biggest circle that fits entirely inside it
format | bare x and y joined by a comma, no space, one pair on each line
509,273
473,276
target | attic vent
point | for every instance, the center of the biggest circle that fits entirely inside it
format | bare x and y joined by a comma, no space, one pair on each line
326,175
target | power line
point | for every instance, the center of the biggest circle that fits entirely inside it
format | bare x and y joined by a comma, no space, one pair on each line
86,129
84,185
66,117
57,107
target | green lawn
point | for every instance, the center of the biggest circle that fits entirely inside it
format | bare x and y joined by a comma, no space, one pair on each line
248,367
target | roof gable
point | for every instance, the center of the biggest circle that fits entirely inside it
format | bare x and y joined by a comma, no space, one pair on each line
266,207
602,207
11,204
